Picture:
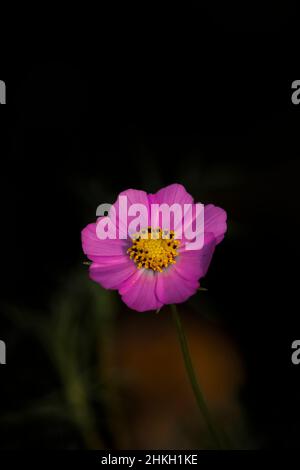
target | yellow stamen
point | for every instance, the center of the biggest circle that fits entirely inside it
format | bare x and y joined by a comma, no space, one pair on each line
154,249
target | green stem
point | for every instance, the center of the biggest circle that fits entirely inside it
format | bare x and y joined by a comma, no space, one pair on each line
193,379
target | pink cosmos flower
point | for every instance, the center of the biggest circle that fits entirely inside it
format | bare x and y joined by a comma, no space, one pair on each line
151,273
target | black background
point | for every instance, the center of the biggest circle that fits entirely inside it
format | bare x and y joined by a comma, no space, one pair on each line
144,100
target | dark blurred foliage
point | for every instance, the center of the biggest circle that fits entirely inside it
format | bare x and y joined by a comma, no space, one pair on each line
144,107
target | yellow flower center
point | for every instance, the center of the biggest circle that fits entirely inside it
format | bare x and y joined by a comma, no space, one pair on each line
154,249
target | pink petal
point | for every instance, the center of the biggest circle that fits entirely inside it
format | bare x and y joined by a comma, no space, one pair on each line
189,224
94,248
215,221
138,292
172,194
112,273
134,196
171,288
193,264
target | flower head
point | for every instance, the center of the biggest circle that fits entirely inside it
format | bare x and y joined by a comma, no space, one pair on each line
154,265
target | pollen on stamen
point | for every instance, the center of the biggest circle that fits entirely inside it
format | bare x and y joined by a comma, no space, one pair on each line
151,249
